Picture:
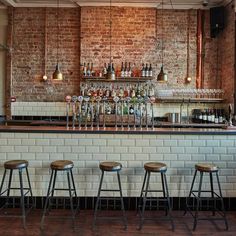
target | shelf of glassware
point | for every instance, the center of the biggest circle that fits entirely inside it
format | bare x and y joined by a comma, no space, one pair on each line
188,100
117,80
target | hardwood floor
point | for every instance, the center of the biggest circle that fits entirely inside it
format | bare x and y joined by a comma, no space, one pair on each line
59,227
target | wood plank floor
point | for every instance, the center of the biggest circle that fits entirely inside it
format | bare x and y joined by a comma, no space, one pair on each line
56,227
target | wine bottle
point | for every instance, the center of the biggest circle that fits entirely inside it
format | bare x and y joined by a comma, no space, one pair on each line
122,71
88,70
146,71
150,70
143,71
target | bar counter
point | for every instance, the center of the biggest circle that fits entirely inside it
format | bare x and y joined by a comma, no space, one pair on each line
179,148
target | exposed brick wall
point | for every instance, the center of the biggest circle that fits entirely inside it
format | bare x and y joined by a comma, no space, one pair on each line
134,32
227,53
133,40
28,53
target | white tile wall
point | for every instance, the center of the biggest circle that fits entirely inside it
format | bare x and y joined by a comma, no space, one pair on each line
179,152
59,108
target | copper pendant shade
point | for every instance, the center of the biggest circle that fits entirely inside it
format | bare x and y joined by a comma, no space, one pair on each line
57,75
162,76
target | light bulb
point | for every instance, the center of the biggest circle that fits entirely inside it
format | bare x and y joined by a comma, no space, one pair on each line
45,78
188,79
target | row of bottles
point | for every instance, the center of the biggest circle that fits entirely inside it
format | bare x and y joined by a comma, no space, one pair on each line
209,116
88,69
146,70
127,70
111,90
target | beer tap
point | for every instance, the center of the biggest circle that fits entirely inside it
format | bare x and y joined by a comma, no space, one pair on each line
140,100
74,100
128,101
86,99
92,101
152,100
80,100
146,100
68,100
122,112
104,99
116,99
98,99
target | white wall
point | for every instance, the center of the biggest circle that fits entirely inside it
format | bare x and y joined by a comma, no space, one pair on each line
179,152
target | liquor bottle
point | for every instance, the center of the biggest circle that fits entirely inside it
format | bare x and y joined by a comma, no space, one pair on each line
150,70
200,117
204,116
146,71
122,71
212,116
126,70
105,69
143,71
92,71
88,70
84,70
129,70
208,116
216,117
113,73
220,117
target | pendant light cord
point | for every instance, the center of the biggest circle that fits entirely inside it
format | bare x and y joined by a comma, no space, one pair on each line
45,43
162,34
110,31
57,29
188,32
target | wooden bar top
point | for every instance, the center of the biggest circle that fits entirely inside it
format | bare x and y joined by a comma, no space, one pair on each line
119,130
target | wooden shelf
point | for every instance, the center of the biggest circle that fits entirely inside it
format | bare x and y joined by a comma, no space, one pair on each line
189,100
118,79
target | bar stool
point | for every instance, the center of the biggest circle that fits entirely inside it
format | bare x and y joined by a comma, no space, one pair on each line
67,166
210,169
154,167
110,167
19,165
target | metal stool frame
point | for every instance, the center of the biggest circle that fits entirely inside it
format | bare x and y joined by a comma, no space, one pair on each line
143,198
23,194
50,195
214,197
99,198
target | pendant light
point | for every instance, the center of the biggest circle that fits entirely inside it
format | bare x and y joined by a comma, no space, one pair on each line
110,70
162,76
57,75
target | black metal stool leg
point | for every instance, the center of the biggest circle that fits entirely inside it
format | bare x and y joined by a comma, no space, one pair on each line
2,183
30,189
52,190
212,193
22,197
9,187
75,193
141,194
163,190
122,201
198,202
71,198
190,192
168,201
47,200
222,202
144,201
98,199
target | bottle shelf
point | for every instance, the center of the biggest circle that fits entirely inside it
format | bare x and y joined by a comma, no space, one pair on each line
117,80
189,100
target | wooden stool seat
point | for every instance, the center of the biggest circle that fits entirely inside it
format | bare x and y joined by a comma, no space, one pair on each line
155,167
62,165
16,164
110,166
206,167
